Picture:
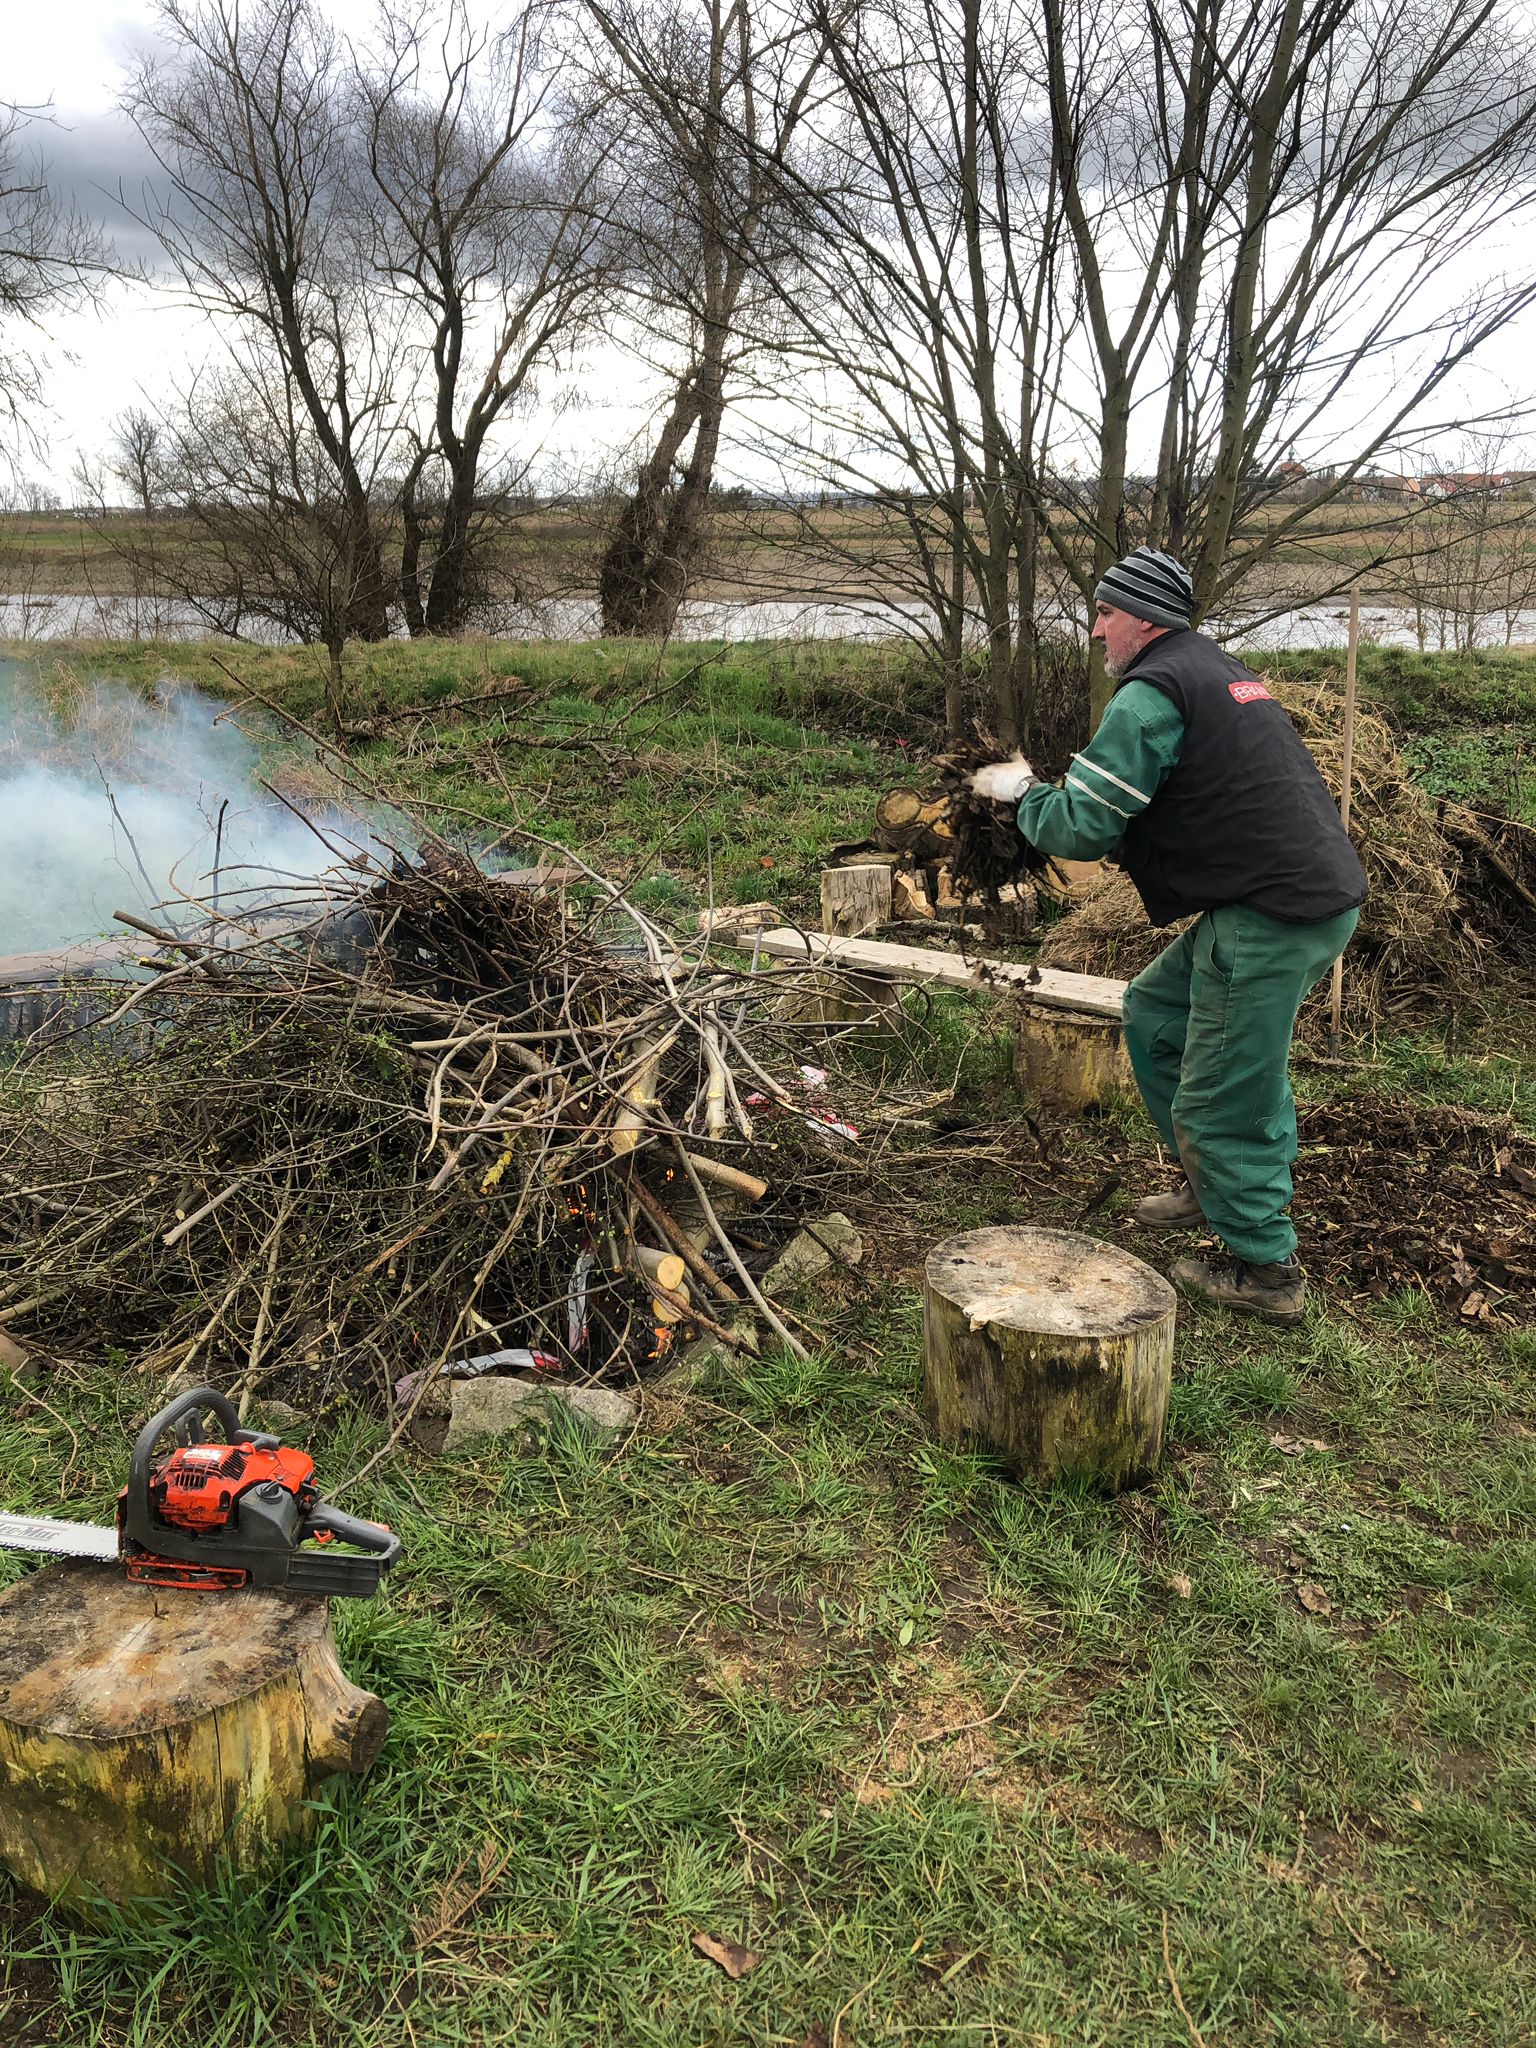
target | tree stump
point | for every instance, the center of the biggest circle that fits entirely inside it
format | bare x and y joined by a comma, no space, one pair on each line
1053,1350
145,1732
1069,1060
855,899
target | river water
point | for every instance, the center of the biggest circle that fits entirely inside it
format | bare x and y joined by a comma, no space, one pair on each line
83,616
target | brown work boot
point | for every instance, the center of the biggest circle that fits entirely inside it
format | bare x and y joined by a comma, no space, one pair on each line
1178,1211
1278,1293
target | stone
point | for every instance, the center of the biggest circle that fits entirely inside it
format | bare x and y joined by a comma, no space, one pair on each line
807,1256
281,1412
729,920
698,1362
498,1407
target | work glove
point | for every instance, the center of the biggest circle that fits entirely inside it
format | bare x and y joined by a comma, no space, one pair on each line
1004,781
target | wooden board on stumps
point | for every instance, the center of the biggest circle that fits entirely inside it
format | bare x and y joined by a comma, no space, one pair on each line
1055,1351
146,1732
1069,1061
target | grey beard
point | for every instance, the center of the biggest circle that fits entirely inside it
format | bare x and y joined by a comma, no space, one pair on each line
1113,668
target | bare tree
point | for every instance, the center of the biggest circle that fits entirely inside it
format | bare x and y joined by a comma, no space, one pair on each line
700,103
250,121
1084,277
930,320
51,258
1293,192
487,229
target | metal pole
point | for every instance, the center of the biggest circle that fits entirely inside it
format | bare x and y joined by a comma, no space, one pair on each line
1346,779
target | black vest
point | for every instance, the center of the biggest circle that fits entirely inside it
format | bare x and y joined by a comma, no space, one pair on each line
1243,816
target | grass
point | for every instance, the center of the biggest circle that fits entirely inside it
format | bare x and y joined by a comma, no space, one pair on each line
709,1686
1242,1758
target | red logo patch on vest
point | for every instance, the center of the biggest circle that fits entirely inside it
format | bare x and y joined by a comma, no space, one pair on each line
1247,693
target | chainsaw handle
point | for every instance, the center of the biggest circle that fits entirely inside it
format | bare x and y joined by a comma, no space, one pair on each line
323,1518
196,1402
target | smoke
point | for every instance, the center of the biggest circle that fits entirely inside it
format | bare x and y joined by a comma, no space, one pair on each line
118,801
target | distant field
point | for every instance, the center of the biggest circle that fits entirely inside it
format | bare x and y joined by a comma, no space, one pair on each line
759,552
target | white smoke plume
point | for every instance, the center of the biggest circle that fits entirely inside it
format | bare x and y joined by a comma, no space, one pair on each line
122,801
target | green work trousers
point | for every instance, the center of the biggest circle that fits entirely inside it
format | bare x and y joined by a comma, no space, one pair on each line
1208,1027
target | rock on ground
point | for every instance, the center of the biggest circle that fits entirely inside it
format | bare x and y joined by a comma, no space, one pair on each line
493,1407
832,1240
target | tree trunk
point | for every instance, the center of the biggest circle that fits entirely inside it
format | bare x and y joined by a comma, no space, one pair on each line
1053,1350
628,578
145,1733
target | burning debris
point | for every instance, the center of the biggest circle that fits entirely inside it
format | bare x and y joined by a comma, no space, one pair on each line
493,1120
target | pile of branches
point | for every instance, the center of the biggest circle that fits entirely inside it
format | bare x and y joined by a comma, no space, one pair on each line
990,852
351,1141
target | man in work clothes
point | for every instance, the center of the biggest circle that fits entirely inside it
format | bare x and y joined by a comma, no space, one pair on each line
1200,787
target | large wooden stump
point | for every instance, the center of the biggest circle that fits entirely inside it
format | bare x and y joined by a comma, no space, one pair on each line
1068,1060
855,899
1051,1349
145,1732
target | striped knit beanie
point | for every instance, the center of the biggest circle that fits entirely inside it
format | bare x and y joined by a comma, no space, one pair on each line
1149,585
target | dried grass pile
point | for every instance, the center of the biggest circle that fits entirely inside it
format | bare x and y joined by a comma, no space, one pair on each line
1438,914
313,1154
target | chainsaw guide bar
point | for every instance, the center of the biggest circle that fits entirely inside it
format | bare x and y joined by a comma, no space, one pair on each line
58,1539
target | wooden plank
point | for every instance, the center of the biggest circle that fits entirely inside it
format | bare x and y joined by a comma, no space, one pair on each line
1096,995
534,878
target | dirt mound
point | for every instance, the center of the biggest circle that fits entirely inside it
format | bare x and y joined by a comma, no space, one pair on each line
1448,899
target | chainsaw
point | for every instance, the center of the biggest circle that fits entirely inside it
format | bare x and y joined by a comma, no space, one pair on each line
214,1516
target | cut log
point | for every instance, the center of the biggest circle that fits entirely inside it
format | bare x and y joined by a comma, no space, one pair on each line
1069,1061
665,1268
1096,994
1055,1351
145,1732
909,897
731,1177
855,899
908,823
898,808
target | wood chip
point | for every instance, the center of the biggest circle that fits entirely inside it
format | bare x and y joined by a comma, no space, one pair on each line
736,1961
1314,1599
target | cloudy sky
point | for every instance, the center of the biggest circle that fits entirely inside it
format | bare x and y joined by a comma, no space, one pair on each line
74,55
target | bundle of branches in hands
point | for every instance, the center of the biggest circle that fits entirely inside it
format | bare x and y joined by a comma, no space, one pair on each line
419,1118
990,852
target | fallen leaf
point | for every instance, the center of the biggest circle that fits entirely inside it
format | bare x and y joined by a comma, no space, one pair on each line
816,2036
735,1960
1180,1583
1522,1177
1293,1446
1314,1599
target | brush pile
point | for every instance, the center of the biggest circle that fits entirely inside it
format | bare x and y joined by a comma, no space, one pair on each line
990,852
320,1151
1447,901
